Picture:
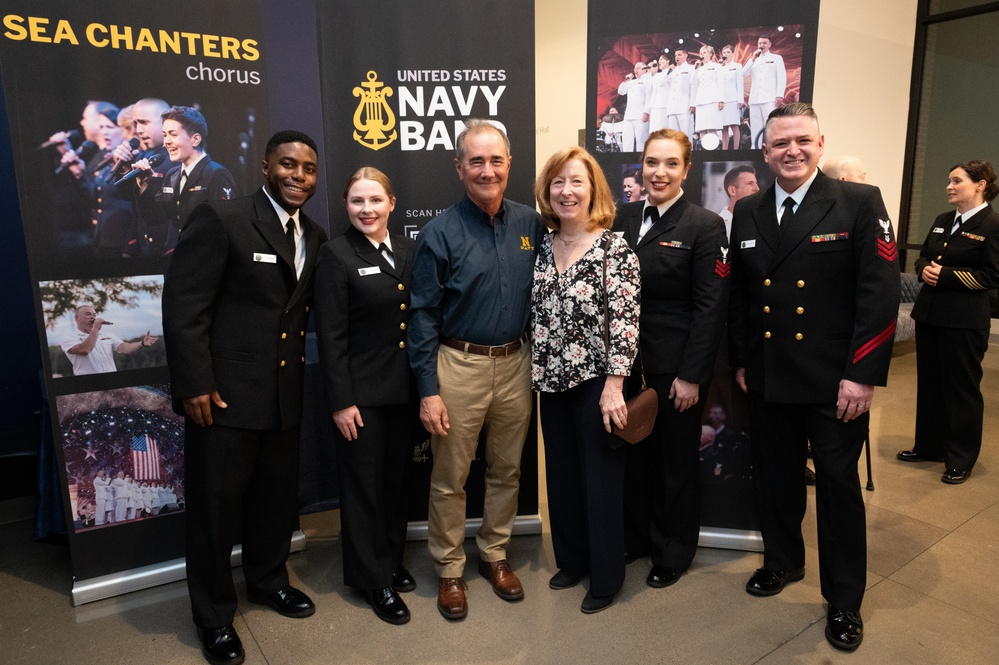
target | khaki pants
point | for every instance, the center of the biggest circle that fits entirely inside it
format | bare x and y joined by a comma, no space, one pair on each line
478,391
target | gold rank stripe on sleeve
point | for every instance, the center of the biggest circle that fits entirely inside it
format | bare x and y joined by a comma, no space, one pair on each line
968,280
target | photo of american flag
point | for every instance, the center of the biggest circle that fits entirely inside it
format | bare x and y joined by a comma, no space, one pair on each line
145,458
131,431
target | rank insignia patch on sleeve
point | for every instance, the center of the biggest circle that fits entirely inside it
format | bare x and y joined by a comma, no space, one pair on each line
722,267
887,249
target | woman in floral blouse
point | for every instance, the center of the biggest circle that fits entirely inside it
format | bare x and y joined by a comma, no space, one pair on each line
580,381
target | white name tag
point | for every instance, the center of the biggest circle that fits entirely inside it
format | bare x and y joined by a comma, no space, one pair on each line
747,244
167,190
265,258
938,229
373,270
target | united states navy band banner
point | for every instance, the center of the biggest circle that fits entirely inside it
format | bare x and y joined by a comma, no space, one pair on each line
399,80
714,70
81,78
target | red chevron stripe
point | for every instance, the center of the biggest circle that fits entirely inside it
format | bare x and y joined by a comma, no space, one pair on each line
722,269
877,341
887,250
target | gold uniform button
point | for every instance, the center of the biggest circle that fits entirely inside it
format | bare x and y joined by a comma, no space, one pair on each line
402,345
284,335
402,326
945,244
402,306
766,335
401,287
799,337
306,309
303,359
766,282
766,309
939,257
301,333
800,310
282,363
801,283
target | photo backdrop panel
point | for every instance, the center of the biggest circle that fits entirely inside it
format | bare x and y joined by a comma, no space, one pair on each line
68,69
617,42
399,80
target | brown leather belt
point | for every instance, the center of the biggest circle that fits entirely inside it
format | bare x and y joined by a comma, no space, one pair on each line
499,351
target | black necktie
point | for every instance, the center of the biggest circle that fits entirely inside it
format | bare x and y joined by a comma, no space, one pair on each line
957,224
387,253
183,181
649,220
788,212
289,236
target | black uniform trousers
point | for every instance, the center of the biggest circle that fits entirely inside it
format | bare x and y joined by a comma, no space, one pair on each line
241,486
949,403
781,434
585,480
373,510
663,483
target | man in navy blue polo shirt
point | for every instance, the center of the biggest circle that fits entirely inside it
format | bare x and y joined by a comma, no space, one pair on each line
471,303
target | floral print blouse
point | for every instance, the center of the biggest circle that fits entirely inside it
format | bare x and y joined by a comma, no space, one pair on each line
568,315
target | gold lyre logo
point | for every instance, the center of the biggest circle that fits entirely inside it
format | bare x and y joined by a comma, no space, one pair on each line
373,116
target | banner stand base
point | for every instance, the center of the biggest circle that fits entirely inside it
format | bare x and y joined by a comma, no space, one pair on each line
116,584
731,539
524,525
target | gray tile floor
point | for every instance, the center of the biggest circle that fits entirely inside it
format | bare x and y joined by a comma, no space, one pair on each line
933,591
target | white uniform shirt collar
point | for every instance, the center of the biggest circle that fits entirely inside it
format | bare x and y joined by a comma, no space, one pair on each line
798,195
283,217
387,242
187,169
664,206
968,214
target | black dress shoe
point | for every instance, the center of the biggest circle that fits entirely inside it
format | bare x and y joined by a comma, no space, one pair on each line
593,604
221,646
955,477
660,576
388,605
402,580
564,579
288,601
844,630
771,582
913,456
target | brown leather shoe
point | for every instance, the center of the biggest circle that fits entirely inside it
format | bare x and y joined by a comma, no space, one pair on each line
451,597
504,580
